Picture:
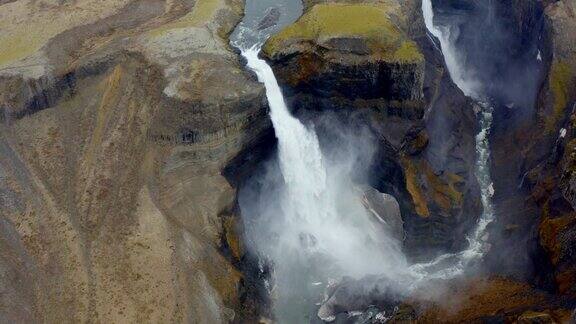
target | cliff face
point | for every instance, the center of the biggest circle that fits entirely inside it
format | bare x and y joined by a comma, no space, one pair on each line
384,74
375,58
117,119
551,179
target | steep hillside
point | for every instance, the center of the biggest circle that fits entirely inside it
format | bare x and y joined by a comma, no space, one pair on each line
117,119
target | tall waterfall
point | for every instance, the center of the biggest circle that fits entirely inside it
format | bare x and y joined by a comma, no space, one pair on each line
321,230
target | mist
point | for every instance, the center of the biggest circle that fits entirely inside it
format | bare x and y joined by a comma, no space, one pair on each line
489,54
305,215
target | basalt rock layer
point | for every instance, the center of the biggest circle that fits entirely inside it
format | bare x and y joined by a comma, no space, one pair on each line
125,126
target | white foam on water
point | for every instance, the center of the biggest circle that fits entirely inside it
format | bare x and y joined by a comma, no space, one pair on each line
312,204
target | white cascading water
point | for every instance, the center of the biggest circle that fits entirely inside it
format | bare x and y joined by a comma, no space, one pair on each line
465,80
310,204
322,229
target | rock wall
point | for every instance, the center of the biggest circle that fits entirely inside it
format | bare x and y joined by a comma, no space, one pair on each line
549,179
117,120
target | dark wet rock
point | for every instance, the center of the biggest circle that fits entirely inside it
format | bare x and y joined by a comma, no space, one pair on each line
533,156
403,314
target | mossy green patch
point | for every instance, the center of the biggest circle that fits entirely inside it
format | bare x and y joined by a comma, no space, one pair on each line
408,52
560,81
369,22
25,28
18,46
202,13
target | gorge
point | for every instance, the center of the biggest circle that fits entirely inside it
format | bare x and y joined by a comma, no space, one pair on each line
310,237
258,161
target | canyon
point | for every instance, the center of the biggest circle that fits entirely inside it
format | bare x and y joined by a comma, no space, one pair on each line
138,144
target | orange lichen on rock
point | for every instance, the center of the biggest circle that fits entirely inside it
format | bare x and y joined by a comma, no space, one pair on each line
413,187
477,298
444,193
232,237
426,187
550,228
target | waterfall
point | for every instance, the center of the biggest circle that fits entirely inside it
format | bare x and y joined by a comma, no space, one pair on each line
464,78
317,229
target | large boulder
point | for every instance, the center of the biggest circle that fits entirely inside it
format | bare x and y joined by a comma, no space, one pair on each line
358,295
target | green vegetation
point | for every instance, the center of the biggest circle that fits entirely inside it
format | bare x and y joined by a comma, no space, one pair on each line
202,13
19,46
24,30
372,23
408,52
561,76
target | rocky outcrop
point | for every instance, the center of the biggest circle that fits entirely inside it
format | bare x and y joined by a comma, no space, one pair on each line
479,300
427,160
355,295
321,57
118,118
386,210
494,300
387,76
